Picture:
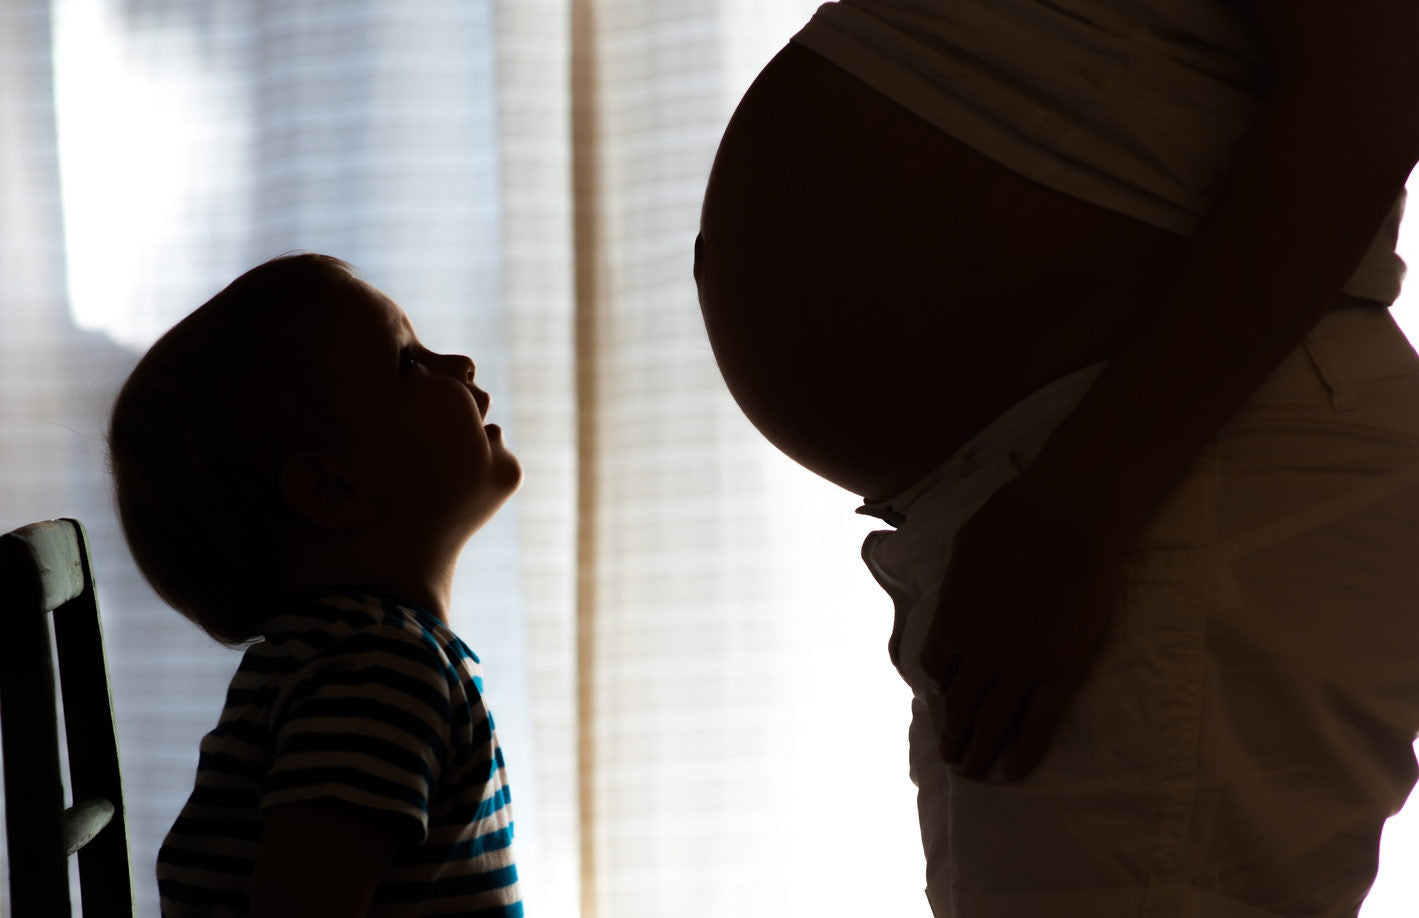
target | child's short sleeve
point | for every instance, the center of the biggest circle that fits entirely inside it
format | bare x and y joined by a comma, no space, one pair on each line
365,721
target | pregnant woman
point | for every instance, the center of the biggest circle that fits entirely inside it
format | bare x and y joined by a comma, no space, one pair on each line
1088,300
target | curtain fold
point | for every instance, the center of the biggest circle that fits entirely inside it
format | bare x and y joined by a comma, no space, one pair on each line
32,266
589,286
744,735
538,265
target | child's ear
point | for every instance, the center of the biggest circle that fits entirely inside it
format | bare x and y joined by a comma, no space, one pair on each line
314,487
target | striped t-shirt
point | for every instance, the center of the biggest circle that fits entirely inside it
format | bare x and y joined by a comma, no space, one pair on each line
373,703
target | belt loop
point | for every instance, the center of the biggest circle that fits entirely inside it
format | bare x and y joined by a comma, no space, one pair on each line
884,513
1342,393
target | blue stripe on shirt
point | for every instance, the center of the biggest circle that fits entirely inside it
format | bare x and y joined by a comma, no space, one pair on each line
432,696
203,898
174,856
400,757
322,777
464,850
379,668
366,710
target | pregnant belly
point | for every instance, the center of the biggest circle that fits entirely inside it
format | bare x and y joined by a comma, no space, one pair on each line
876,292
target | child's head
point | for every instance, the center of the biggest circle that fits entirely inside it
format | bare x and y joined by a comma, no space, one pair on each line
292,432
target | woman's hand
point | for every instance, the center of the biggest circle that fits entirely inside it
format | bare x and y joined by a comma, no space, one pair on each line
1034,581
1037,573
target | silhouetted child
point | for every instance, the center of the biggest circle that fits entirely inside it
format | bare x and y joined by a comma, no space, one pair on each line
294,468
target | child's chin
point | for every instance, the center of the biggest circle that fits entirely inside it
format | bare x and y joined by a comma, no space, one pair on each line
509,472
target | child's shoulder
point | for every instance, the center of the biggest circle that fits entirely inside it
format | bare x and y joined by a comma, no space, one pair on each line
354,626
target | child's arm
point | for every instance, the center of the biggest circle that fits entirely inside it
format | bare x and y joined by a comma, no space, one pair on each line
320,859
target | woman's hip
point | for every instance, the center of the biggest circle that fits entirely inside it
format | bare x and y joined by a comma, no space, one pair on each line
1247,726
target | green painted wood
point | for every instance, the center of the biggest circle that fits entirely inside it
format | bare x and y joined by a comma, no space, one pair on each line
45,574
83,821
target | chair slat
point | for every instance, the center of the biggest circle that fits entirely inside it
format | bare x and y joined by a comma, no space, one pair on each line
83,821
57,560
34,794
45,568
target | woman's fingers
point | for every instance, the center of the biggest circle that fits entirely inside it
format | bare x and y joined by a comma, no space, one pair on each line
943,673
1047,705
969,687
938,659
1006,718
995,722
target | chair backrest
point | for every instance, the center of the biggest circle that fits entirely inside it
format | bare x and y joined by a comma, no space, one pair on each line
44,569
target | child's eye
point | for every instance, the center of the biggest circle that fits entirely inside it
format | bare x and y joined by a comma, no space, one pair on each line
407,360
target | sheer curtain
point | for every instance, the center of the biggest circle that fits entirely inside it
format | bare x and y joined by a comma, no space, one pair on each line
682,651
684,654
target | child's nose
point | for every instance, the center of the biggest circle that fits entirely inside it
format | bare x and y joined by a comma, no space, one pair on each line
460,367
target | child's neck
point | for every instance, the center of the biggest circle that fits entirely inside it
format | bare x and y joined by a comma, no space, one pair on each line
406,573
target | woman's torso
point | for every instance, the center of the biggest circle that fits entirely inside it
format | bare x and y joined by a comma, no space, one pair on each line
876,291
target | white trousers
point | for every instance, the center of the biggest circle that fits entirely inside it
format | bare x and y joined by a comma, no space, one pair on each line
1248,725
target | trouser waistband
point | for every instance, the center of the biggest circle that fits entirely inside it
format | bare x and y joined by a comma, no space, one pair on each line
1346,347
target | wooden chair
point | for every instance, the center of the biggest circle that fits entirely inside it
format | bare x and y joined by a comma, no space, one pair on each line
44,569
